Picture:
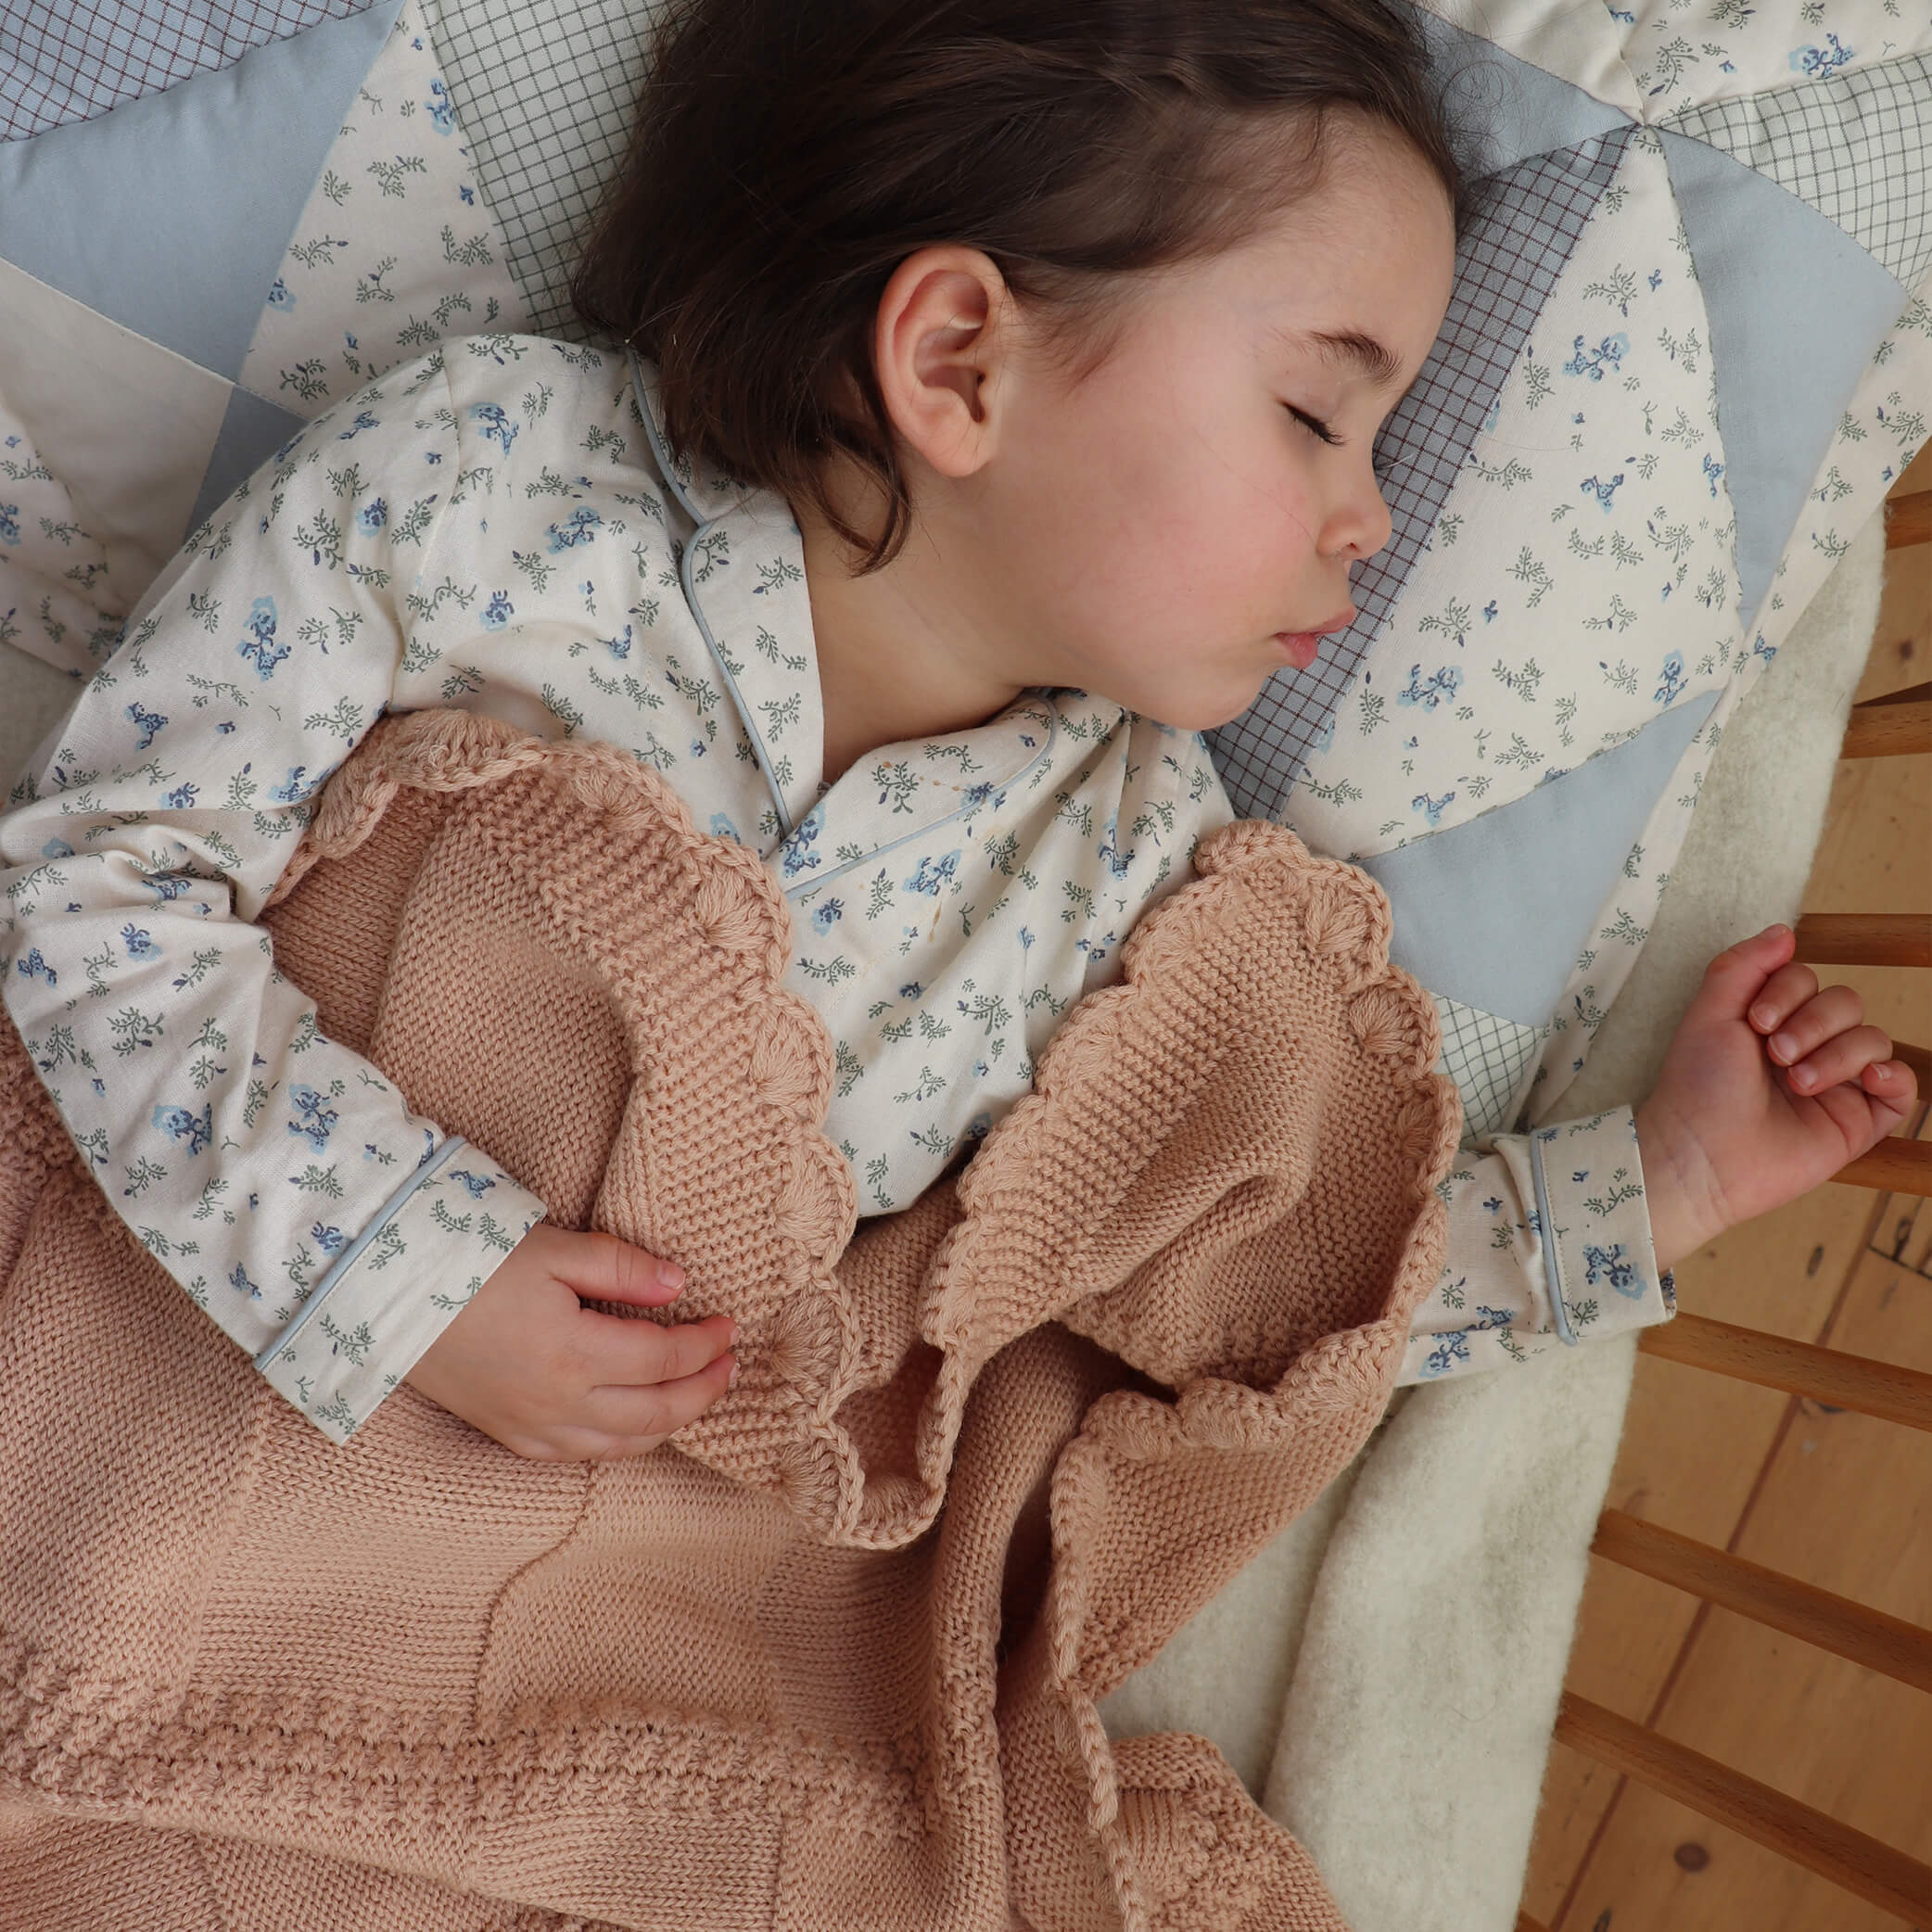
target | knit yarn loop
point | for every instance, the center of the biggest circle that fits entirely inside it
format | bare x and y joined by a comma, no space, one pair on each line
831,1657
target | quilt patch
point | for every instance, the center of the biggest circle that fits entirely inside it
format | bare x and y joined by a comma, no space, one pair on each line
77,59
394,250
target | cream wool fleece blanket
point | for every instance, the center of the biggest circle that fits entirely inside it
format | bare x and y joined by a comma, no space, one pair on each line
1413,1626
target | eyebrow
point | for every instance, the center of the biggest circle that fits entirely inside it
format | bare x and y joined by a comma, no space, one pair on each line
1350,347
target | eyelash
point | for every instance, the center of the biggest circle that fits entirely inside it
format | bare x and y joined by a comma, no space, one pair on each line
1320,429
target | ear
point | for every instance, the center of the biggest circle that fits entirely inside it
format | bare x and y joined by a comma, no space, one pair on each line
940,349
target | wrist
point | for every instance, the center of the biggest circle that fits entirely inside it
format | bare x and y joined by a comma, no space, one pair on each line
1684,1212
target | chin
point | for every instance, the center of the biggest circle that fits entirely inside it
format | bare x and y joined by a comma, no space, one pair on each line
1198,716
1193,711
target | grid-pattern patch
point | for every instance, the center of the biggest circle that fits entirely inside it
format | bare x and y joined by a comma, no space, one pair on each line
1486,1056
1526,223
76,58
1857,147
546,90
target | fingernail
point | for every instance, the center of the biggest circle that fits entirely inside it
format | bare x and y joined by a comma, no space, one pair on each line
1764,1016
1804,1078
1784,1046
670,1273
733,1383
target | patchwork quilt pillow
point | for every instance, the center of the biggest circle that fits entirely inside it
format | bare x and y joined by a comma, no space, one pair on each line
1689,350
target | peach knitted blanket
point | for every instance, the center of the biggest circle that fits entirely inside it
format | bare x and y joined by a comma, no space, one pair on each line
829,1659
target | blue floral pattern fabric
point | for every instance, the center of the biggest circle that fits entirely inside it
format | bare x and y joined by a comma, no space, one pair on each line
1735,47
395,249
1524,643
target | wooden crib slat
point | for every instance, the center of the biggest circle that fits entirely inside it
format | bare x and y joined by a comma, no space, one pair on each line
1905,694
1896,1165
1919,1060
1852,1629
1826,1375
1864,1866
1908,519
1887,730
1865,938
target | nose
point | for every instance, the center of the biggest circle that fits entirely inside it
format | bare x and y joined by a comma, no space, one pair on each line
1359,523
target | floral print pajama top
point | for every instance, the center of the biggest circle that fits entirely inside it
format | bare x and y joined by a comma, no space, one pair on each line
498,527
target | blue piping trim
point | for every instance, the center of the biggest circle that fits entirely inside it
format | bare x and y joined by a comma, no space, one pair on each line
704,524
348,1254
1552,1260
724,671
658,451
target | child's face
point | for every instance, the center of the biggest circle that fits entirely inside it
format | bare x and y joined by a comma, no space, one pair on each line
1156,529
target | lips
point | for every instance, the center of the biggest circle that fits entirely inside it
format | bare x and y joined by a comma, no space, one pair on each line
1302,647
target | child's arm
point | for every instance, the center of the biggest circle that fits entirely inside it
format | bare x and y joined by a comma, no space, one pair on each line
1628,1193
273,1173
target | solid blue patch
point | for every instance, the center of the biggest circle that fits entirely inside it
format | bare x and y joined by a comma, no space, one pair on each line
170,214
252,430
1797,309
1495,912
1518,108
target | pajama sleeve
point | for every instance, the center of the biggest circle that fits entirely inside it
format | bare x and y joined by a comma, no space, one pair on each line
1549,1245
273,1173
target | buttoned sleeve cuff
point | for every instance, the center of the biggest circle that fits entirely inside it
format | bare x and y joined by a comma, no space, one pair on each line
398,1286
1594,1224
1566,1256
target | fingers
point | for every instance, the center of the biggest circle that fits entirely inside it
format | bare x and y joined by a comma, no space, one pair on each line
625,1386
638,1419
1736,978
1818,1036
620,1354
1781,995
1808,1022
1844,1056
1893,1082
607,1269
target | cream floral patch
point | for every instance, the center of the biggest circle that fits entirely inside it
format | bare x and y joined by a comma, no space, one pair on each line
1579,580
395,249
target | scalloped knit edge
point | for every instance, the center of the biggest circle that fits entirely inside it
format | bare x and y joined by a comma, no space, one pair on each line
737,906
446,751
1122,1427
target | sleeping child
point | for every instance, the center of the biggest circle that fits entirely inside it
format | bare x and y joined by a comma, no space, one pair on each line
998,430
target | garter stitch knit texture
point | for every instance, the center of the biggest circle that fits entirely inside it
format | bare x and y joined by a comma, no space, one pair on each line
829,1659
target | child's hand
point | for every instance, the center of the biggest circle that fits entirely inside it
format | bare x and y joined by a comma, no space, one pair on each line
1737,1124
525,1363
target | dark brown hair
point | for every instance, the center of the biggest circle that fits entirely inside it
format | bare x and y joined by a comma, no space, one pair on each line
788,155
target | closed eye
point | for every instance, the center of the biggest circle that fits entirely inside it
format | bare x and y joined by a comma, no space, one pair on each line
1320,429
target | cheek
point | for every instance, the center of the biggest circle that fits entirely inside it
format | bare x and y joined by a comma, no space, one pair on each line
1281,514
